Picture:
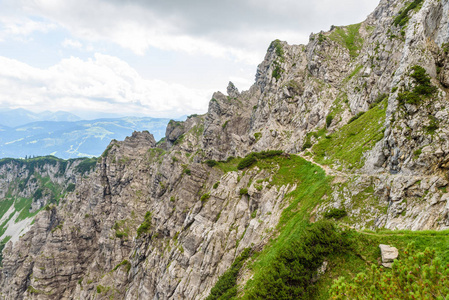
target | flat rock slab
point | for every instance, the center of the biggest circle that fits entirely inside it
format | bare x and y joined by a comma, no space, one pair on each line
389,254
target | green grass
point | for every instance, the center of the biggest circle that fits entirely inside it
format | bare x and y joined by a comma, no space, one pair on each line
312,185
348,145
230,165
348,37
364,252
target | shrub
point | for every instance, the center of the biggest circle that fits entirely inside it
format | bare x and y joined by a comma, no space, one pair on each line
205,197
403,17
226,286
248,161
329,119
145,226
252,158
335,213
187,171
216,184
423,88
243,191
416,275
211,163
290,274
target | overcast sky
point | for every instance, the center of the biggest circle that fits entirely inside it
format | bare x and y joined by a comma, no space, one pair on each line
160,58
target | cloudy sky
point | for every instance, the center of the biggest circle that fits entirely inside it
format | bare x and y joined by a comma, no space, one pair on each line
147,57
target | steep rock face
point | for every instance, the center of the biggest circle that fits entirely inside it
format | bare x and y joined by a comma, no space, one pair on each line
26,186
153,221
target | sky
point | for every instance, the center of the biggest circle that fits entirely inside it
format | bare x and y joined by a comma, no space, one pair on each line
158,58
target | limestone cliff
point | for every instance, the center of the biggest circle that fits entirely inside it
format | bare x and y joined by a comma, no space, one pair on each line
366,102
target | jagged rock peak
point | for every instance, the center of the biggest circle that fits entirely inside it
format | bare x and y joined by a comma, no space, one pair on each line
232,90
138,138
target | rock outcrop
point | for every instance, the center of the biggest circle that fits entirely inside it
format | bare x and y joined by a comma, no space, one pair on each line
367,102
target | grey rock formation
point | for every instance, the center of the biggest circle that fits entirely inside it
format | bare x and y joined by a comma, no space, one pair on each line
197,223
389,254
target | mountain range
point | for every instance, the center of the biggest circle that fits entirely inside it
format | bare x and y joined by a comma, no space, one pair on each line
66,136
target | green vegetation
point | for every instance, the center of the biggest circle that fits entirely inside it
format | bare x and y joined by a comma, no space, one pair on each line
335,213
121,230
216,184
243,191
403,16
416,275
433,125
145,227
329,119
257,136
205,197
277,71
226,286
187,171
292,269
316,134
379,99
355,138
125,263
422,90
211,163
348,37
86,165
356,117
252,158
179,140
278,49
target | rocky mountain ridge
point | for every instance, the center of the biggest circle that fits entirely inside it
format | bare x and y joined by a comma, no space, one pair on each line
367,102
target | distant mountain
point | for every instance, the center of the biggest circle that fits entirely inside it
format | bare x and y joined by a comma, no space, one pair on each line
73,139
20,116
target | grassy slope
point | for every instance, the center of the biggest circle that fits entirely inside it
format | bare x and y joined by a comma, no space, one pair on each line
348,145
312,188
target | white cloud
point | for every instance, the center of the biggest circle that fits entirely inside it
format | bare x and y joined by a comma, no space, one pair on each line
236,29
103,84
69,43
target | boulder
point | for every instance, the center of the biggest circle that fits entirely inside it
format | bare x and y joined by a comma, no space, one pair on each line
389,254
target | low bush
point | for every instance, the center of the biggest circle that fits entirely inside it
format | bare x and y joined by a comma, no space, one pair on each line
329,119
243,191
335,213
292,270
145,226
226,286
205,197
423,88
211,163
403,17
252,158
416,275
